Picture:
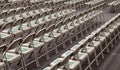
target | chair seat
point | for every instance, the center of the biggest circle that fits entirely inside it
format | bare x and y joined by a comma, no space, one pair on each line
11,57
60,14
74,48
90,49
25,27
2,22
73,64
82,55
67,53
102,38
31,13
2,65
107,34
33,24
50,68
112,30
96,43
9,19
37,44
26,50
70,26
47,18
63,30
4,35
56,61
17,17
15,30
25,15
53,15
40,21
47,39
56,34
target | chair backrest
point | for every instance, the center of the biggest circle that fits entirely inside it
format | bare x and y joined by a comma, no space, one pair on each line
76,51
13,5
33,7
15,44
36,17
7,26
64,62
12,12
20,11
27,20
27,9
49,12
3,15
40,33
43,14
28,38
6,6
50,28
58,25
3,49
18,22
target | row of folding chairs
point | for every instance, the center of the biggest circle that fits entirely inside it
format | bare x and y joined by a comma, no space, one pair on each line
114,6
14,5
38,20
3,1
30,11
88,50
43,37
78,4
94,3
49,4
11,6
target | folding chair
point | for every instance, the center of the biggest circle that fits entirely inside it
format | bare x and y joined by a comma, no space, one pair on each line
27,12
26,25
15,30
11,59
2,51
49,33
67,63
86,54
42,17
46,40
65,29
5,33
55,15
3,17
11,16
19,13
97,43
6,7
59,33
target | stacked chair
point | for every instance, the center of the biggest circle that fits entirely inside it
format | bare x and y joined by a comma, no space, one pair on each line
87,51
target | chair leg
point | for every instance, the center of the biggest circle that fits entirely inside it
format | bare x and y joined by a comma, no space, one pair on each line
64,45
102,51
46,51
96,57
107,46
89,62
23,62
36,58
55,45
